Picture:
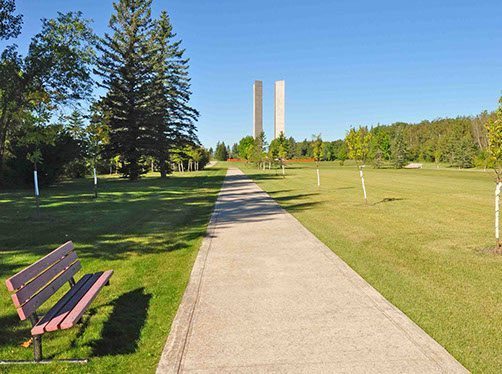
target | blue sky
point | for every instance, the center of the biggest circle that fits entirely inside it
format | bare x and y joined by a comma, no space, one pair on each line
345,63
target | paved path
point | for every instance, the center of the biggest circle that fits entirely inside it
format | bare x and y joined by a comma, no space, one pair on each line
266,296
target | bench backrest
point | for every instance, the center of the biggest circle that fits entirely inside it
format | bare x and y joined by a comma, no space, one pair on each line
35,284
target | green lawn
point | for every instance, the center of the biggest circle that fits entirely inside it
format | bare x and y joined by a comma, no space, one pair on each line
148,232
421,241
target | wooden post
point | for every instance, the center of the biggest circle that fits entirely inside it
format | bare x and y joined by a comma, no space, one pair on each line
95,183
497,215
37,191
362,182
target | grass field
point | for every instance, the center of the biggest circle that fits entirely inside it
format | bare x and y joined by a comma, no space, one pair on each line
148,232
421,241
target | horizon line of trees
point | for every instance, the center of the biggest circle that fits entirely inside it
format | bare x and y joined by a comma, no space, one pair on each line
459,142
51,123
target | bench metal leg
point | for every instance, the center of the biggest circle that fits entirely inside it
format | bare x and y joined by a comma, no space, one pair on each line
37,339
37,347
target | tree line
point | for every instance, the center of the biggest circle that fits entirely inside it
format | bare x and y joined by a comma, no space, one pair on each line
458,142
51,122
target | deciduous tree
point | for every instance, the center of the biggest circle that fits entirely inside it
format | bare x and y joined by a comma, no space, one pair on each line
358,144
317,150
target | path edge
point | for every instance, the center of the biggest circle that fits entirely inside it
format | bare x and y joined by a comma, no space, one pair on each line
172,354
429,346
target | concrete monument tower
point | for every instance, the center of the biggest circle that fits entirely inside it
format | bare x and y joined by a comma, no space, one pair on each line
279,96
257,108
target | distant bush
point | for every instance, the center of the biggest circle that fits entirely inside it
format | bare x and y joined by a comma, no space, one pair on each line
58,158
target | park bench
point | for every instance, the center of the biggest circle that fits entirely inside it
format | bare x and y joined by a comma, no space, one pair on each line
34,285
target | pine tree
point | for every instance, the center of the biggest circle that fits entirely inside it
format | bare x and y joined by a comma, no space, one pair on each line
221,153
399,150
173,118
126,66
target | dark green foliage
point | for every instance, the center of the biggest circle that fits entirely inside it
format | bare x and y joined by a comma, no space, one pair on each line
463,153
304,149
173,118
291,147
234,153
461,142
55,72
221,153
60,58
10,24
57,156
398,150
148,89
126,66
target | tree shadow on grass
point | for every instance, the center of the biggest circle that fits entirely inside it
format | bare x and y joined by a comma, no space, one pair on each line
388,200
142,217
13,331
122,331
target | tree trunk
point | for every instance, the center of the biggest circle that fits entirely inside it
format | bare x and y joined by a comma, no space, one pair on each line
283,171
4,124
318,178
162,167
362,182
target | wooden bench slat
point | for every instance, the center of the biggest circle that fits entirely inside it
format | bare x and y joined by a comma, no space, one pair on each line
25,275
26,292
86,300
45,293
39,328
54,323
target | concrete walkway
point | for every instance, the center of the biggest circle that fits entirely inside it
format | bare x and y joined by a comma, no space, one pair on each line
266,296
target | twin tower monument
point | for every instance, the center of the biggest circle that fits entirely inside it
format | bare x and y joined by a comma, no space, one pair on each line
279,99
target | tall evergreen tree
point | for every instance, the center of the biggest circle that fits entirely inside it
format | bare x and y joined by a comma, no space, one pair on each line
174,119
221,153
398,150
126,65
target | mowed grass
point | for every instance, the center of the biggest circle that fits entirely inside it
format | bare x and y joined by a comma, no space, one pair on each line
148,232
421,241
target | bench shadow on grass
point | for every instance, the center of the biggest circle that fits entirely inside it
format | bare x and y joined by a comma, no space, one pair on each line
122,330
150,216
13,331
